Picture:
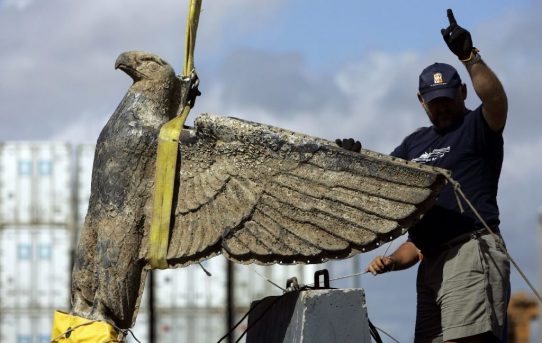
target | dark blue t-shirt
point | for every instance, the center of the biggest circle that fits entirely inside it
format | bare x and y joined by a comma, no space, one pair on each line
474,154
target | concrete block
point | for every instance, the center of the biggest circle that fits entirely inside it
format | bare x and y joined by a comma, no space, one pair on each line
311,316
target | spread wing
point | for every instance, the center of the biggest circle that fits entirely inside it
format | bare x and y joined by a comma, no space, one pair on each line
260,194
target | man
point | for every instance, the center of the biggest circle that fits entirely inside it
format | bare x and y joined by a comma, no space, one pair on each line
463,277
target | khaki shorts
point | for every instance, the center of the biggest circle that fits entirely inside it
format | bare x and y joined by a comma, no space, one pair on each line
463,291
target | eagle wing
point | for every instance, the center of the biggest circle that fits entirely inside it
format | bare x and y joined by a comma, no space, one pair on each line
261,194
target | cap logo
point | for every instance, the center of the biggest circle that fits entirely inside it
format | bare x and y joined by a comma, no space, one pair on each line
437,78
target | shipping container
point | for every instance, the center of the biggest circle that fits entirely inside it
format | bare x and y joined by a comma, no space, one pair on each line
190,327
191,286
141,328
35,183
84,160
184,326
25,326
35,267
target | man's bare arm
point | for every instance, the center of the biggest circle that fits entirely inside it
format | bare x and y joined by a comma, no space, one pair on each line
486,84
490,90
404,257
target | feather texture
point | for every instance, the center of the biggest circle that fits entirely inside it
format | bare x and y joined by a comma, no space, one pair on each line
261,194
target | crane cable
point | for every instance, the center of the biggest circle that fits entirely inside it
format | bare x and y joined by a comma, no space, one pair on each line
166,160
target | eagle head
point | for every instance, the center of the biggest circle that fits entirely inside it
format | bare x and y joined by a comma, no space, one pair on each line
140,65
155,79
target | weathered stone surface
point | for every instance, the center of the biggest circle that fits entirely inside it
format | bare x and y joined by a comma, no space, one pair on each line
261,194
108,273
310,316
255,193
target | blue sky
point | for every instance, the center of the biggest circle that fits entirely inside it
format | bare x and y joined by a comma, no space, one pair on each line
330,33
330,69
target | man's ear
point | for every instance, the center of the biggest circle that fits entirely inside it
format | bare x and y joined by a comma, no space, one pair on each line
420,99
423,103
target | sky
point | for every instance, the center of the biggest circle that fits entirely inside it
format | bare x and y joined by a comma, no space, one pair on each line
330,69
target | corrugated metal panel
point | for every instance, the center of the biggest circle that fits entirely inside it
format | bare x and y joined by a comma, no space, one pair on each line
84,161
35,183
26,326
34,267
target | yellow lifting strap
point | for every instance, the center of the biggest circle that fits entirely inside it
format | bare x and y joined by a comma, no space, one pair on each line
166,160
69,328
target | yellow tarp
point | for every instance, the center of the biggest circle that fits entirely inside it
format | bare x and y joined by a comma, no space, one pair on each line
68,328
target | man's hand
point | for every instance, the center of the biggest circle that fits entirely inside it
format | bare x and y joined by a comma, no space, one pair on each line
457,38
381,264
349,144
404,257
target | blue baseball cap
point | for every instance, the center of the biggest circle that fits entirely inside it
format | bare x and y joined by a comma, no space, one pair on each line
439,80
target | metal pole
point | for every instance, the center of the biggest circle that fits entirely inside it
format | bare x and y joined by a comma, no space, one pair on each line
230,301
540,269
152,313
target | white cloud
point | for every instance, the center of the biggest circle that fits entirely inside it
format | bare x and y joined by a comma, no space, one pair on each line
523,160
58,83
17,4
57,55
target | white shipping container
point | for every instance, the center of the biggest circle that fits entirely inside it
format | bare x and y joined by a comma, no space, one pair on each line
140,329
84,161
201,327
35,267
26,326
35,183
178,326
191,287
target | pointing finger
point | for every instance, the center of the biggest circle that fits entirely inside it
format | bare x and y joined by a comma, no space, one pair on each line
451,17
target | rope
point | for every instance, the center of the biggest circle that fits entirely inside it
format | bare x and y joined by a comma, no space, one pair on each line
458,193
253,323
259,318
133,336
457,190
308,286
266,279
205,270
68,332
387,334
124,331
374,333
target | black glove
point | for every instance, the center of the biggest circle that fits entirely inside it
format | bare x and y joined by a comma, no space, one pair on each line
457,38
349,144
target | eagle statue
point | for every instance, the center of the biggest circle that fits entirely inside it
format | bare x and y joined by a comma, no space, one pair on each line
252,192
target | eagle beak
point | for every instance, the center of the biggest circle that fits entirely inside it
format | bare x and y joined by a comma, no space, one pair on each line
127,62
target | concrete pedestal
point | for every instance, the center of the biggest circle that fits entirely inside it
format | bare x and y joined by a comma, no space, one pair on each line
312,316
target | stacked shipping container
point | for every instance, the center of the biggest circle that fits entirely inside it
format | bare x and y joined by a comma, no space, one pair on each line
43,203
35,238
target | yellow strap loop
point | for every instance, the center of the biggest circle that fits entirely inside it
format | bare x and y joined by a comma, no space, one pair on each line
68,328
166,160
